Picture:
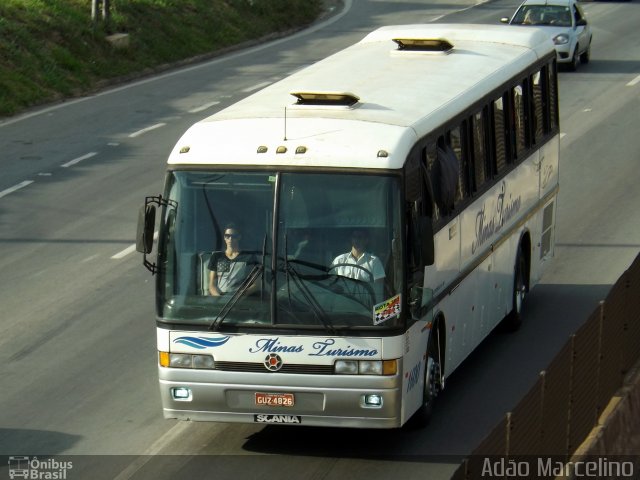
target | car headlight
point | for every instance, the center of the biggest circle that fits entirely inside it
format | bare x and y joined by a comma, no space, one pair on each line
561,39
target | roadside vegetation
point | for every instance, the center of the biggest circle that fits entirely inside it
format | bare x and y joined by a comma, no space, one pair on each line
51,49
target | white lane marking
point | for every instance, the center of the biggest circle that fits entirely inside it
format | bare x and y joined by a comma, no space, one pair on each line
125,252
88,259
145,130
130,249
634,81
163,442
256,87
203,107
20,185
79,159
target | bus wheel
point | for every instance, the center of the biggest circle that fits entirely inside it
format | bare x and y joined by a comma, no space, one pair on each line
431,388
514,319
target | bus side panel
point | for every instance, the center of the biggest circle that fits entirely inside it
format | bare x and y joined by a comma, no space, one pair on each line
549,166
490,234
441,274
503,276
413,374
543,239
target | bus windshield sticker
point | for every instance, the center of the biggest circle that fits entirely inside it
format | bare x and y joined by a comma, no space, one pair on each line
388,309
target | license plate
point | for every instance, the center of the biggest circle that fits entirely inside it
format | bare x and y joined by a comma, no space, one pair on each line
275,399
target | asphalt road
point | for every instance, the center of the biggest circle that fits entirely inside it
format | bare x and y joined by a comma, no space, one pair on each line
77,349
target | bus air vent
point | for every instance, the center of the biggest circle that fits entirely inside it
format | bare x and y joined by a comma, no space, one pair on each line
337,99
438,45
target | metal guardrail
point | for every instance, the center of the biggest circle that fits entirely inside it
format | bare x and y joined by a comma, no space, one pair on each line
563,406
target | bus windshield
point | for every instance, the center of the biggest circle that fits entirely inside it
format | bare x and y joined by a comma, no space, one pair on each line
279,249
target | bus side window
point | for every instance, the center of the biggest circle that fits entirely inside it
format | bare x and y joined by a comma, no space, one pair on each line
553,97
445,177
500,136
430,157
418,193
456,146
479,149
538,107
518,117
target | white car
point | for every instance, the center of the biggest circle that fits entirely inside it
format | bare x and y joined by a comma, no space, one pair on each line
566,23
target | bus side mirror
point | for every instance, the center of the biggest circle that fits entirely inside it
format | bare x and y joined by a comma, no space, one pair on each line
427,248
420,299
146,225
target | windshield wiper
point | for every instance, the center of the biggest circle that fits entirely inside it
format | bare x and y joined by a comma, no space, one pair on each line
316,308
237,295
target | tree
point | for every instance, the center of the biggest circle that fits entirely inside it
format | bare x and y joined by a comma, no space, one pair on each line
95,10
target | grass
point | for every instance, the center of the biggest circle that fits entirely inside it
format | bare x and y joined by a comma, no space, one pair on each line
51,49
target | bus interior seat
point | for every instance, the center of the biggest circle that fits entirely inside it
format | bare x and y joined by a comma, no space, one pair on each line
202,283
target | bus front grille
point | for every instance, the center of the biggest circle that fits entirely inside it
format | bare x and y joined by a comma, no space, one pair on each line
287,368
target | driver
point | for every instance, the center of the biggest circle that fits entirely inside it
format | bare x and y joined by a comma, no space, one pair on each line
532,17
367,267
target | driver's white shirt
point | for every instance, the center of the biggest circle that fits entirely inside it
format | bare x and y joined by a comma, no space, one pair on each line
366,260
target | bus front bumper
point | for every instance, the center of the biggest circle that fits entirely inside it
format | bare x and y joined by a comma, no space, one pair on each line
344,401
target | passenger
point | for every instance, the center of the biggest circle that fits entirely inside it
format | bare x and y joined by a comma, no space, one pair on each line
228,269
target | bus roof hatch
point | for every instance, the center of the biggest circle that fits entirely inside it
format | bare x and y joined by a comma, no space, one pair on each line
338,99
439,45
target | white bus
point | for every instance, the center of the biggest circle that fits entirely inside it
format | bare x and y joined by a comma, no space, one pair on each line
332,247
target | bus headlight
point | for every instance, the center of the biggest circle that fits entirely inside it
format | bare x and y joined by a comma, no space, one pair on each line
366,367
181,394
203,361
185,360
346,367
180,360
373,400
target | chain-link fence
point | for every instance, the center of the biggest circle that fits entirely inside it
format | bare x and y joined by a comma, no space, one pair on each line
564,405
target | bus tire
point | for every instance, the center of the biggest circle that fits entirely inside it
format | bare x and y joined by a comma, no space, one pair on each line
432,373
513,320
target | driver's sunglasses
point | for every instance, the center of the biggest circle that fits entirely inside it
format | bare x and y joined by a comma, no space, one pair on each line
231,235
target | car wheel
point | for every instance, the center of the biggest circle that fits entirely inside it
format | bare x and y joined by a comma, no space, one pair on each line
586,55
575,60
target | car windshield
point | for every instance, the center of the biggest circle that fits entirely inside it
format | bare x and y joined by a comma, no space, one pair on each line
553,15
278,249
